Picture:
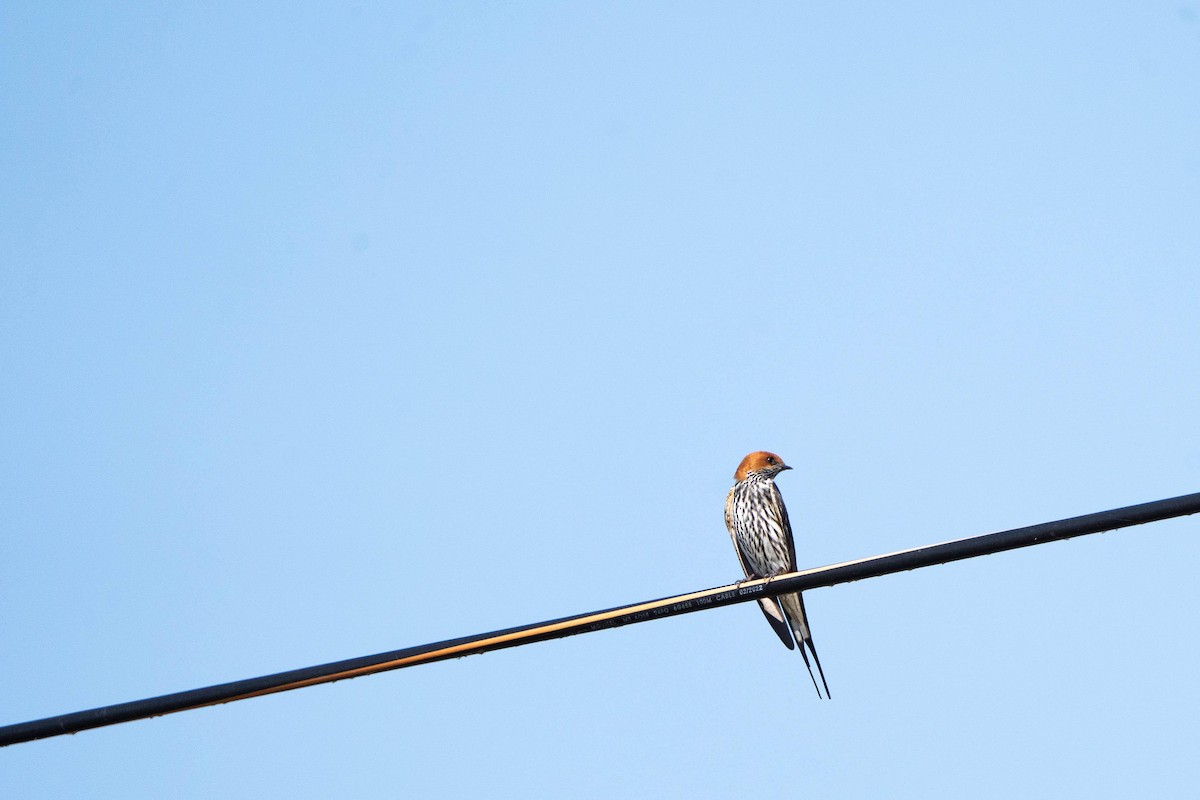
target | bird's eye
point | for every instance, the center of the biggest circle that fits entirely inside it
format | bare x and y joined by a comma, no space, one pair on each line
770,459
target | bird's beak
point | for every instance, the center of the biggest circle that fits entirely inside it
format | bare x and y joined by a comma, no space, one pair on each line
785,466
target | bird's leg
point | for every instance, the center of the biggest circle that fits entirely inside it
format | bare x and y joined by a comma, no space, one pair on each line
747,579
770,578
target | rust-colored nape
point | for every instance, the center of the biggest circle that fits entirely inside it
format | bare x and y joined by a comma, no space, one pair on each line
758,460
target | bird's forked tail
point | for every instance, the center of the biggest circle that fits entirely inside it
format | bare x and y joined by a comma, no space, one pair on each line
793,607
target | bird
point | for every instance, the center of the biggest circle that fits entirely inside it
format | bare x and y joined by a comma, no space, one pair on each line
762,536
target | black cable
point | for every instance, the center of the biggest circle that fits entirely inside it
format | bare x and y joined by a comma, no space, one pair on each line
599,620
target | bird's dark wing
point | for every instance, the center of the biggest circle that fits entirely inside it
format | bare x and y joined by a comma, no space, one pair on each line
777,504
793,604
769,605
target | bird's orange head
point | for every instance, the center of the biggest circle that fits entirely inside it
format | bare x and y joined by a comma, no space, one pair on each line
761,462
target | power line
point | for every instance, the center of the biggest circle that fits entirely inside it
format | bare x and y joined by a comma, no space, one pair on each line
611,618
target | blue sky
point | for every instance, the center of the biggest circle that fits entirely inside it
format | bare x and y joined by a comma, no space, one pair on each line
327,330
